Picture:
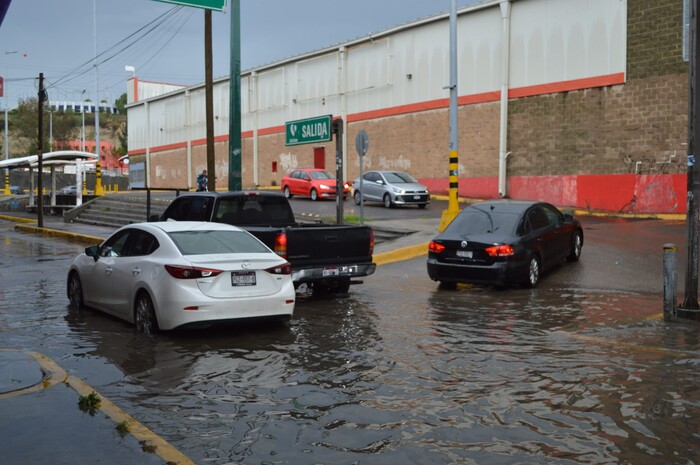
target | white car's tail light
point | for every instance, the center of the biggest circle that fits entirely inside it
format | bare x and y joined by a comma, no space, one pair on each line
285,268
191,272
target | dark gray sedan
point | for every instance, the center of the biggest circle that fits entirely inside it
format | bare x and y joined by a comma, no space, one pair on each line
504,242
391,188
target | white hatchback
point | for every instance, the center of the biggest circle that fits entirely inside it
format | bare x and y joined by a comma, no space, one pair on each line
171,274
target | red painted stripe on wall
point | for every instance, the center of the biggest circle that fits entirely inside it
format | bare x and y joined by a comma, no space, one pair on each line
625,193
563,86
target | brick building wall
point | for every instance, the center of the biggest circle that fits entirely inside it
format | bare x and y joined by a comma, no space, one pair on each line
571,148
615,129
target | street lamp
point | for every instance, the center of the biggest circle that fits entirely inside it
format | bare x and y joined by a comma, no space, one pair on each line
7,143
135,93
82,113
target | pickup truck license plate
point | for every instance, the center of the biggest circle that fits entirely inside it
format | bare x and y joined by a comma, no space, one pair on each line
243,278
465,253
339,270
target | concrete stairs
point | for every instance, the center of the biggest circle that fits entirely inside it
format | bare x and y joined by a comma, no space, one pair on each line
116,210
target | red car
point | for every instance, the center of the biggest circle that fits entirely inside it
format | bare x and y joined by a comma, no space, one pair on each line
311,182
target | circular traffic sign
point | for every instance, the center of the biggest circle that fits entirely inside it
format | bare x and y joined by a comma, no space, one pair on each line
362,143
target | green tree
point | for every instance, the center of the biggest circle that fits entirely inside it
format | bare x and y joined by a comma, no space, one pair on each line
120,103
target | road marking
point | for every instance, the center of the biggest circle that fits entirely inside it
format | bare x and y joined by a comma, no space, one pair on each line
404,253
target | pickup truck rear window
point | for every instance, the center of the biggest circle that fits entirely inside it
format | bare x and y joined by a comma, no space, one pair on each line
254,209
187,209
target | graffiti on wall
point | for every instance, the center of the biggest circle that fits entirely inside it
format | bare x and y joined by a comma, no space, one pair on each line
401,163
288,162
651,165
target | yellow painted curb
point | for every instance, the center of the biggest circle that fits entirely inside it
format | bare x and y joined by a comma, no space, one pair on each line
162,448
404,253
84,238
17,219
638,216
54,375
57,375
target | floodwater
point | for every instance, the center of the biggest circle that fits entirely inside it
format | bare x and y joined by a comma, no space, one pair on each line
398,372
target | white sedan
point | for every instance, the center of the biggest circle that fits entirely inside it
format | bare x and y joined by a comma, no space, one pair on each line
171,274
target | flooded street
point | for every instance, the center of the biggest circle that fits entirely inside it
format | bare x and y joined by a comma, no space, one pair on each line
578,371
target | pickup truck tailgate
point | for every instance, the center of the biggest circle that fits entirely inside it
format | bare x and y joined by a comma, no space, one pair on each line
329,244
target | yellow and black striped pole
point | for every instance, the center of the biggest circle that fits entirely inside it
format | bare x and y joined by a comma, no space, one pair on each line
453,205
7,182
99,190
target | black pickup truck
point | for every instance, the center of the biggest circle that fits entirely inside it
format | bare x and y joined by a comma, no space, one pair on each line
327,257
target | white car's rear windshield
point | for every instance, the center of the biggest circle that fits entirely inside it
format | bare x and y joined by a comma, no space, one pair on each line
216,242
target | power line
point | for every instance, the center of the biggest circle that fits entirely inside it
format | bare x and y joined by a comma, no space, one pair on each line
153,25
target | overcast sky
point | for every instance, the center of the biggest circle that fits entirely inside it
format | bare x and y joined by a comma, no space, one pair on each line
57,38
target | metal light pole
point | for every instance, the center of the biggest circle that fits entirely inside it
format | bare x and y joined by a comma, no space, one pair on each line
7,139
235,170
690,304
82,129
453,205
98,174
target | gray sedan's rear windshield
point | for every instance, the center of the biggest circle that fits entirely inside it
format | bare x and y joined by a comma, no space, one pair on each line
216,242
477,221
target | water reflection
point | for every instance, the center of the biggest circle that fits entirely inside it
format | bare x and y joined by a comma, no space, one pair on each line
398,372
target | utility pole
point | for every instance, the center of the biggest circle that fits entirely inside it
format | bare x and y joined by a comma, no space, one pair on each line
40,150
690,304
209,102
453,205
235,170
98,152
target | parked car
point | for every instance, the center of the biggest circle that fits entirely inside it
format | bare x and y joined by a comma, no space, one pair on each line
71,190
16,190
311,182
391,188
504,242
168,275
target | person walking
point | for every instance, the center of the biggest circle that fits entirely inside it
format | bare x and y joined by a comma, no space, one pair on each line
202,181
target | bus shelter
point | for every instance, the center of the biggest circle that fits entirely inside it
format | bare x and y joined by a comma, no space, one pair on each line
52,159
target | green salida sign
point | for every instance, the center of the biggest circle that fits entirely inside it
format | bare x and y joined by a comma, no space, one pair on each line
309,130
216,5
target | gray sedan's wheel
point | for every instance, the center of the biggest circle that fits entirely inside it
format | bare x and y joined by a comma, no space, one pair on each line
533,275
387,201
575,253
75,292
314,194
357,197
145,315
287,192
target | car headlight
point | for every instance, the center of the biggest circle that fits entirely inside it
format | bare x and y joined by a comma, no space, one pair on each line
398,190
323,186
